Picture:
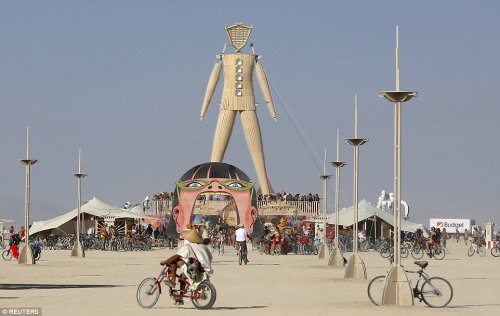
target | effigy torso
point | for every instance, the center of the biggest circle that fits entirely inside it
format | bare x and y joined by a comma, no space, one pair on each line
237,93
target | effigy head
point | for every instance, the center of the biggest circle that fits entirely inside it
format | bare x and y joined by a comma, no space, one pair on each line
209,181
238,35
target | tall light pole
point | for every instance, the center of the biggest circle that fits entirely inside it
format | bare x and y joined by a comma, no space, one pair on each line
397,287
25,255
336,258
323,249
78,250
355,266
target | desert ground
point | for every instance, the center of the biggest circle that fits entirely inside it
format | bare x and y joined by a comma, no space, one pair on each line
105,283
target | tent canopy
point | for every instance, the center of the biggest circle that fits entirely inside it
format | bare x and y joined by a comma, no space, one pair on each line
94,207
367,210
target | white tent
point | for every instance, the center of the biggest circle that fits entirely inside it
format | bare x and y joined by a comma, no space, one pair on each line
94,207
367,210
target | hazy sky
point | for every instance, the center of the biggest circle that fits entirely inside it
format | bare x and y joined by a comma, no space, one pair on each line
125,80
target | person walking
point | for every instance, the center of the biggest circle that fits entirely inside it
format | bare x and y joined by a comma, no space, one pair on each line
444,237
466,236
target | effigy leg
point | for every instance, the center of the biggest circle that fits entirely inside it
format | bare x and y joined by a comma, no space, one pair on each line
251,129
223,132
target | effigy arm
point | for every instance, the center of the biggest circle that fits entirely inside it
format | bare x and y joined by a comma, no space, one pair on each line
264,87
212,84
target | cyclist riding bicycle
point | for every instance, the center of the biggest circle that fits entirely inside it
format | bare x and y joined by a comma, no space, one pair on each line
276,240
193,248
433,239
241,240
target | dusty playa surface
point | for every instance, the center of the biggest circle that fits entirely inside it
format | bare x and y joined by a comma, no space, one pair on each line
105,283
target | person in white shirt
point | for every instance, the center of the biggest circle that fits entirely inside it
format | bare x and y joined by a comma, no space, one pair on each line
241,240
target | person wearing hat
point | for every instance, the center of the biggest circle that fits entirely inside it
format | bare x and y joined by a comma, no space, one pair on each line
200,227
241,240
193,247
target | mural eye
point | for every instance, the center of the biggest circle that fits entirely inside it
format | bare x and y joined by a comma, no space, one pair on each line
193,184
236,185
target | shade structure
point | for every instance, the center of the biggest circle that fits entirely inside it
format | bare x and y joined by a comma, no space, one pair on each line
367,210
94,207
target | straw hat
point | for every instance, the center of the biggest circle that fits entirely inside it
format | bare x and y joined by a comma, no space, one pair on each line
192,236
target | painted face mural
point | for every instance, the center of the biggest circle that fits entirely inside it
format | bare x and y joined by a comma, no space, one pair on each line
214,181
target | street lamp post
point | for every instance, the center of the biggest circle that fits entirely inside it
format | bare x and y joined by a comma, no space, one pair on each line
25,255
78,250
355,266
397,288
323,249
336,258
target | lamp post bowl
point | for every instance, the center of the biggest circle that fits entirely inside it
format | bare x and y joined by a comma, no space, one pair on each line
398,96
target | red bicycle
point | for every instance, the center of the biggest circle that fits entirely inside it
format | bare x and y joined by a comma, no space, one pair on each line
193,285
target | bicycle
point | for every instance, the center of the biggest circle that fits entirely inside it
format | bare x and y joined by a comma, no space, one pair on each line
436,292
495,251
220,242
242,257
436,252
481,251
7,255
198,288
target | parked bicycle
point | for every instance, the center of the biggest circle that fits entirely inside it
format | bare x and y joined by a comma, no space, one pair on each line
435,291
195,286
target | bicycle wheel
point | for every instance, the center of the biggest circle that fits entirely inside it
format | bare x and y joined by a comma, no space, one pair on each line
375,289
148,293
437,292
7,255
386,252
481,251
240,257
438,254
404,252
417,253
471,251
495,252
204,296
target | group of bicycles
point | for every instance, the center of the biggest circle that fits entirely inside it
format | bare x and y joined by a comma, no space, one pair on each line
278,245
115,243
416,250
